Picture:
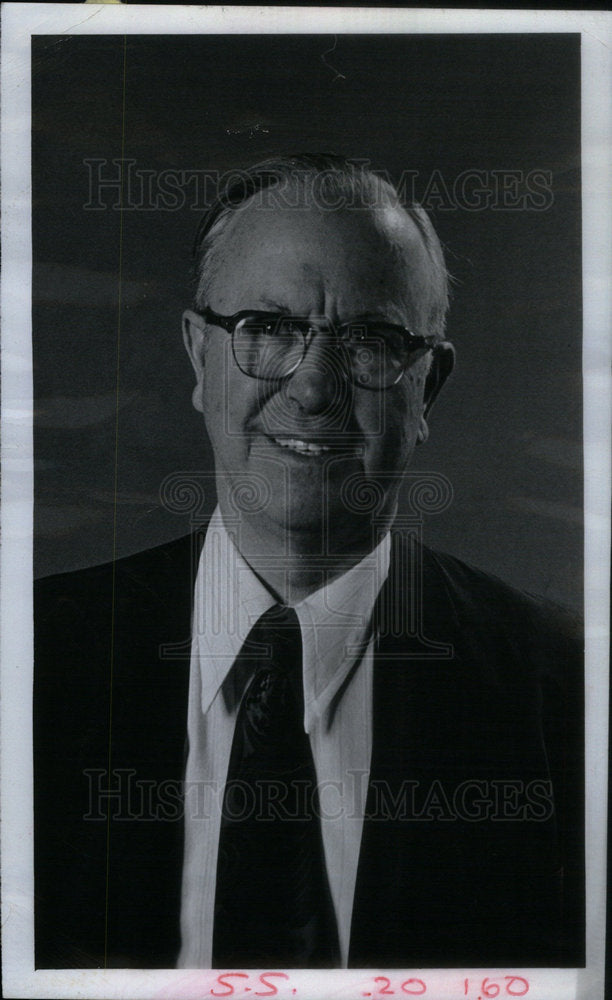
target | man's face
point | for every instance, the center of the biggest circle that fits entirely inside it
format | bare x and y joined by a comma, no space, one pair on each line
310,433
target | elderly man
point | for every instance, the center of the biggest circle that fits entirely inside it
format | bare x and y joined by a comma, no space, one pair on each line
383,763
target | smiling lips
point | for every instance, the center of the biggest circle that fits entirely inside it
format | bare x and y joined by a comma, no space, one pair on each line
306,447
303,447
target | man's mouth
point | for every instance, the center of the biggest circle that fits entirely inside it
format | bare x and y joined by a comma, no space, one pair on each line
314,448
302,447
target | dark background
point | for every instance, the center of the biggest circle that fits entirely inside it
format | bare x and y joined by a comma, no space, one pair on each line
508,430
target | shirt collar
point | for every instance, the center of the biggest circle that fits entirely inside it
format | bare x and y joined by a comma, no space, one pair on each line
335,623
334,620
228,600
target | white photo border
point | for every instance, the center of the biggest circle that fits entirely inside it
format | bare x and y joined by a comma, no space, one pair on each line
19,23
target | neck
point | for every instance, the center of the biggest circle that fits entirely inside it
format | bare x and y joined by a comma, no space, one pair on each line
294,564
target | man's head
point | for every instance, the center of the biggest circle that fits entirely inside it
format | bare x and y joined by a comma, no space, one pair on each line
343,390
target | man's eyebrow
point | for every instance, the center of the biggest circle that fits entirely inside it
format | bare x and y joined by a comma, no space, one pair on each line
272,304
371,314
385,316
368,314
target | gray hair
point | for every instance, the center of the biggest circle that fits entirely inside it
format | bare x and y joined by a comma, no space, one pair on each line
328,182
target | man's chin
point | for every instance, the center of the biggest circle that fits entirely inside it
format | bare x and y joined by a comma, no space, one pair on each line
318,532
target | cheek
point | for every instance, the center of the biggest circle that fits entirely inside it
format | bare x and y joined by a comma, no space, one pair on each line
228,402
410,408
216,377
390,424
212,408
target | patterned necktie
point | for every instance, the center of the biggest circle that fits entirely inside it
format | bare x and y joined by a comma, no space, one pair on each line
273,906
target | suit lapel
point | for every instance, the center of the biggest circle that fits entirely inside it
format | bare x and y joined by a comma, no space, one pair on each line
414,663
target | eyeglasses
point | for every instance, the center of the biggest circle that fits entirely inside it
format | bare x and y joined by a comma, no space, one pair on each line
269,346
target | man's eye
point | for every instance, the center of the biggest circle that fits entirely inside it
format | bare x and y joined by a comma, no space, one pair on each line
273,326
361,333
358,334
258,326
293,327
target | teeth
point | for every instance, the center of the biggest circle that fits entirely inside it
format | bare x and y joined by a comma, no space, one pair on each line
303,447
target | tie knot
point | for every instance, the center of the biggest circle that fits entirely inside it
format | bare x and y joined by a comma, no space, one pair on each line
275,640
279,616
273,704
269,666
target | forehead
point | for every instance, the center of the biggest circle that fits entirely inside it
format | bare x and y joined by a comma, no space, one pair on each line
305,258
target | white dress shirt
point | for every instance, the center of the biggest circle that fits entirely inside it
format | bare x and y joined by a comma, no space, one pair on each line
337,648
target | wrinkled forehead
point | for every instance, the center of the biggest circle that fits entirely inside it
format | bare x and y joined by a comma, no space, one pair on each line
303,257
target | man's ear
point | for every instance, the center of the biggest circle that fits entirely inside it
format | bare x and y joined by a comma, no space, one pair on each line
442,364
194,338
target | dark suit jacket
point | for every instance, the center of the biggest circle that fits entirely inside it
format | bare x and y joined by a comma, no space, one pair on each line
477,726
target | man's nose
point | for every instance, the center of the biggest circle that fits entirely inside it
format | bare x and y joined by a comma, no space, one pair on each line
319,386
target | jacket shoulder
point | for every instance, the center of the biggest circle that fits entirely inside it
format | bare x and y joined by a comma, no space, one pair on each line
150,572
483,602
137,565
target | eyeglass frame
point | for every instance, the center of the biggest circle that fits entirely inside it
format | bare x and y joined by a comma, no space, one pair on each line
413,341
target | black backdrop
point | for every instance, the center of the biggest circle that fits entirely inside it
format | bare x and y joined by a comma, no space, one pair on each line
506,432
